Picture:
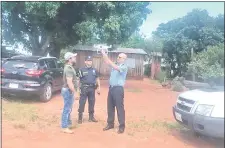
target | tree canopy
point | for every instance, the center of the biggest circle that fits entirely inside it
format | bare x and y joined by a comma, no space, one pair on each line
209,64
150,45
44,27
197,30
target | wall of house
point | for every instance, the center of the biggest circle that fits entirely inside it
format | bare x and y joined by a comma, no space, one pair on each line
135,63
155,66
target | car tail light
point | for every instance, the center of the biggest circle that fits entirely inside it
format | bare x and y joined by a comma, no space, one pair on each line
2,70
32,72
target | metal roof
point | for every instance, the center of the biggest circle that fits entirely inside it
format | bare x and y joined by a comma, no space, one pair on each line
156,54
130,50
84,48
118,50
30,58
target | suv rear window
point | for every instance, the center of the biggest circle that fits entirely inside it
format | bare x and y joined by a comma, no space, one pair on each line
51,63
20,64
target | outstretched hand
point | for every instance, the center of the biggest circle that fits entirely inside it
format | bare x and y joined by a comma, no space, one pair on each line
103,51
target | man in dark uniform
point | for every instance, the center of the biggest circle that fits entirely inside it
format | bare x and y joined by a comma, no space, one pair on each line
89,78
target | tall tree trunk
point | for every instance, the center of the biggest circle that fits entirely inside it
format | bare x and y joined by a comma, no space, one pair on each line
55,52
37,49
38,52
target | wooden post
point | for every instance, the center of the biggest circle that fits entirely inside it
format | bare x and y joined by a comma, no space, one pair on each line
193,74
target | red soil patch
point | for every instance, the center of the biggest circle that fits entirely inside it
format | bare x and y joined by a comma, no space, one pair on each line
145,103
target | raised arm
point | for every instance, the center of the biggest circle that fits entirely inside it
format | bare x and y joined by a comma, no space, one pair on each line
108,61
119,68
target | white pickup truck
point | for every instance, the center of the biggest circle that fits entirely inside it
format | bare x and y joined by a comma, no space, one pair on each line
202,111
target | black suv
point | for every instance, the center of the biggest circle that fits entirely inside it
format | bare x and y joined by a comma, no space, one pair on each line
32,75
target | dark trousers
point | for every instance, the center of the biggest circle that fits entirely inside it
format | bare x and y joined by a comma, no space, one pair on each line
116,99
87,92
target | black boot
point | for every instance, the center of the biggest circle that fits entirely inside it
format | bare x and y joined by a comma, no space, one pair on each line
121,130
108,127
92,118
80,118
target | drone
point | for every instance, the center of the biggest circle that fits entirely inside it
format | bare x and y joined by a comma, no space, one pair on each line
102,47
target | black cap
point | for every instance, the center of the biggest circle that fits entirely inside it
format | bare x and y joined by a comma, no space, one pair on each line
88,58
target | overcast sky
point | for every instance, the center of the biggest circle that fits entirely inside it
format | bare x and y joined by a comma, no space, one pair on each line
163,12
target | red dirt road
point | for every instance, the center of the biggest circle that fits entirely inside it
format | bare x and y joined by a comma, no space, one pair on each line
145,103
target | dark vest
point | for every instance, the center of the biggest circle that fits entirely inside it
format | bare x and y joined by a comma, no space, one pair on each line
89,75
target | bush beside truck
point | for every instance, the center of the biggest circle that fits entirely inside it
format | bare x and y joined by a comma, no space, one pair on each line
209,65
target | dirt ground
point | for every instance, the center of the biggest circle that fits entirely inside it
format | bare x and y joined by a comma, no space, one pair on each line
149,122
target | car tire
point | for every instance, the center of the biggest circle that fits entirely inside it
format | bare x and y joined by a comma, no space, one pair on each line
47,93
197,134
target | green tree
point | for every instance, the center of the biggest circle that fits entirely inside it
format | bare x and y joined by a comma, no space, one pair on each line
47,27
150,45
134,41
197,30
209,64
153,44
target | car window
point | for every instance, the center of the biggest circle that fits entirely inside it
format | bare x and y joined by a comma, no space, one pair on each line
42,64
60,64
51,63
20,64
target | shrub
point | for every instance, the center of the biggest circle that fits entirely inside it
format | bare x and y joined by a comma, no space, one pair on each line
147,70
160,76
209,64
177,86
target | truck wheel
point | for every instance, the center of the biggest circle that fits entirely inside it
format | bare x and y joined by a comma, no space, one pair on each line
47,93
196,134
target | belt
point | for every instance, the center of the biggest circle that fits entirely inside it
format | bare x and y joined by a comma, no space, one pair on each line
87,85
113,86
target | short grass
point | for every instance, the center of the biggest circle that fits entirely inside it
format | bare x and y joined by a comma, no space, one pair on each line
147,126
154,81
133,90
17,111
23,115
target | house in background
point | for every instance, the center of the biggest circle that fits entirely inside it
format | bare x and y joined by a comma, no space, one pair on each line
156,61
134,61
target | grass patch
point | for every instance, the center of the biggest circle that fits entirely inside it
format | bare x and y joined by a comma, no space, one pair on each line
19,113
152,81
147,126
134,90
160,76
166,125
23,115
130,133
19,126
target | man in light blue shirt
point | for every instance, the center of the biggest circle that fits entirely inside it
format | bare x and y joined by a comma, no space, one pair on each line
116,91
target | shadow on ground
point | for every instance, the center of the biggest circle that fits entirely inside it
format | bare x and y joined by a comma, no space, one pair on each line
27,100
190,138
